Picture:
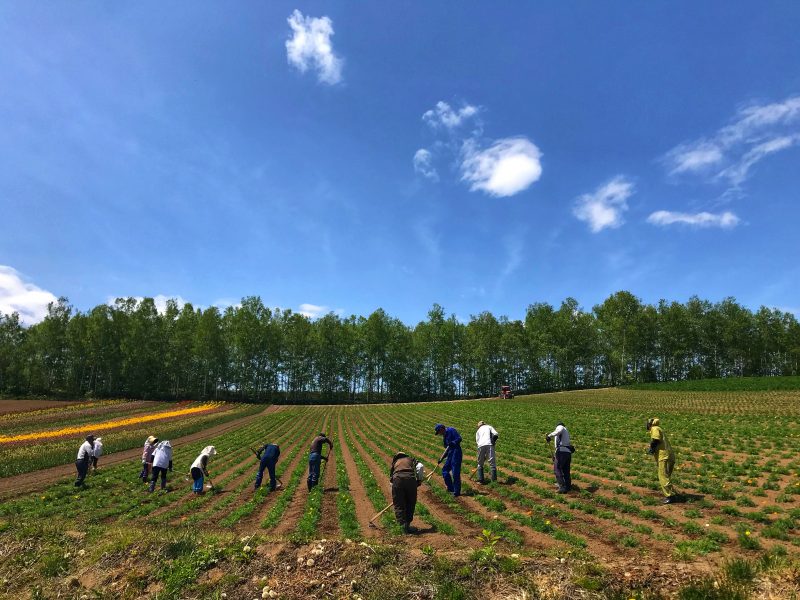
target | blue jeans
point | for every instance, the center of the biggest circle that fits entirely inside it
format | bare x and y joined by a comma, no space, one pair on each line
268,463
314,461
452,464
162,471
197,476
83,467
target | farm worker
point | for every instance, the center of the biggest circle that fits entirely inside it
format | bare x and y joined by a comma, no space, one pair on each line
453,456
665,458
199,468
268,454
315,457
562,457
147,457
486,437
162,460
406,476
98,452
85,453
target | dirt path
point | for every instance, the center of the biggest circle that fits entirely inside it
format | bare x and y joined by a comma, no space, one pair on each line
37,480
362,505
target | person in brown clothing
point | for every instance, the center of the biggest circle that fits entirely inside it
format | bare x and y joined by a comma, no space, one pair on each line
315,458
405,476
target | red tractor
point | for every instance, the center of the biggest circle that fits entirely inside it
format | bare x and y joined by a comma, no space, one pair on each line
506,393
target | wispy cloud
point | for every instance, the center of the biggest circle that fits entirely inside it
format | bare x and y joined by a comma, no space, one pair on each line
663,218
423,164
25,298
313,311
310,46
505,168
757,131
443,116
603,208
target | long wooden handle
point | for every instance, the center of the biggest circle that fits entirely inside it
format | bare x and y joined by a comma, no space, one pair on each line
380,513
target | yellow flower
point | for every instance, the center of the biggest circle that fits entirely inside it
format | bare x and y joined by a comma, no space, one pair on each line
747,533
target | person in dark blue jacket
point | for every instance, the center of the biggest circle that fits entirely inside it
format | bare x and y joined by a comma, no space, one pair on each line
268,454
452,457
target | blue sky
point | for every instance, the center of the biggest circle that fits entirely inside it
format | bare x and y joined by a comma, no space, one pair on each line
349,156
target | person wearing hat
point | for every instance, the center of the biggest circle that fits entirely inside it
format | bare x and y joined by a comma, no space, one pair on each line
98,452
315,457
405,476
486,437
562,457
147,457
665,458
85,453
451,471
162,461
268,454
199,468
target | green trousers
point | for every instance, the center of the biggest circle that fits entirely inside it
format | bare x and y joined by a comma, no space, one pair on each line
665,475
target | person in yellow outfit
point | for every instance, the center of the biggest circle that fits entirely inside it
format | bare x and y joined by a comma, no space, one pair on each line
665,458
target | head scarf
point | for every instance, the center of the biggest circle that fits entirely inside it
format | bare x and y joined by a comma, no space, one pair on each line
209,450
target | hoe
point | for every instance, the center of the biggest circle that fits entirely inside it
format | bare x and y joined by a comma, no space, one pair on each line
391,504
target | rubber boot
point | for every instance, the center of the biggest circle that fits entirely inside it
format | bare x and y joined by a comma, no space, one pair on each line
310,485
480,476
494,474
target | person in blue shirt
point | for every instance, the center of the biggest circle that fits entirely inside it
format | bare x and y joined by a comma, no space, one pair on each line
451,471
268,454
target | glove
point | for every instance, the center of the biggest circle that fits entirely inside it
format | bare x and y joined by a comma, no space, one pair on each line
547,438
651,451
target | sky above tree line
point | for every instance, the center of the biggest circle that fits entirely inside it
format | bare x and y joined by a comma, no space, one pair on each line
331,156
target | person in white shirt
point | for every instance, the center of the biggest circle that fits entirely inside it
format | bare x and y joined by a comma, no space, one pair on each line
199,468
85,453
486,437
98,452
162,461
562,457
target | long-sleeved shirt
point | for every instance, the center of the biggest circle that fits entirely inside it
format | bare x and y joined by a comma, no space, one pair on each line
201,462
561,438
147,452
162,457
316,444
452,439
86,451
483,437
269,451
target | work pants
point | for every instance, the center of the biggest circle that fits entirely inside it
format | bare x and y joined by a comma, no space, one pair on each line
146,468
83,467
665,468
451,471
162,471
198,478
314,461
268,463
485,452
561,466
404,496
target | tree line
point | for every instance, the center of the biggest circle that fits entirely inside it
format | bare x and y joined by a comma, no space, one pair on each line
251,352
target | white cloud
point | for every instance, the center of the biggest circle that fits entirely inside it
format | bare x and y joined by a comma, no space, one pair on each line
159,300
603,208
423,164
313,311
442,115
507,167
310,47
663,218
27,299
757,131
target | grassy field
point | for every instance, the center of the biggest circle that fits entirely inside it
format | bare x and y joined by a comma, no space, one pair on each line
729,384
735,536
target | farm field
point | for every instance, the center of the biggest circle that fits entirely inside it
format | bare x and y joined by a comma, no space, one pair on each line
738,468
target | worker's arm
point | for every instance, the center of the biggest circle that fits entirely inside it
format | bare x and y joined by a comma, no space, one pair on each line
653,446
444,455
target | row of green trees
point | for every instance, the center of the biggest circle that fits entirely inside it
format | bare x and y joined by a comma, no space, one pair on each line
251,352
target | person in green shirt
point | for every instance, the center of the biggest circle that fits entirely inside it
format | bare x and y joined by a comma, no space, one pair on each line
665,458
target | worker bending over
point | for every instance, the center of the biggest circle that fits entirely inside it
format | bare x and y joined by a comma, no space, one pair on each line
486,437
406,476
315,457
452,457
665,458
85,453
199,469
162,461
268,455
562,457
